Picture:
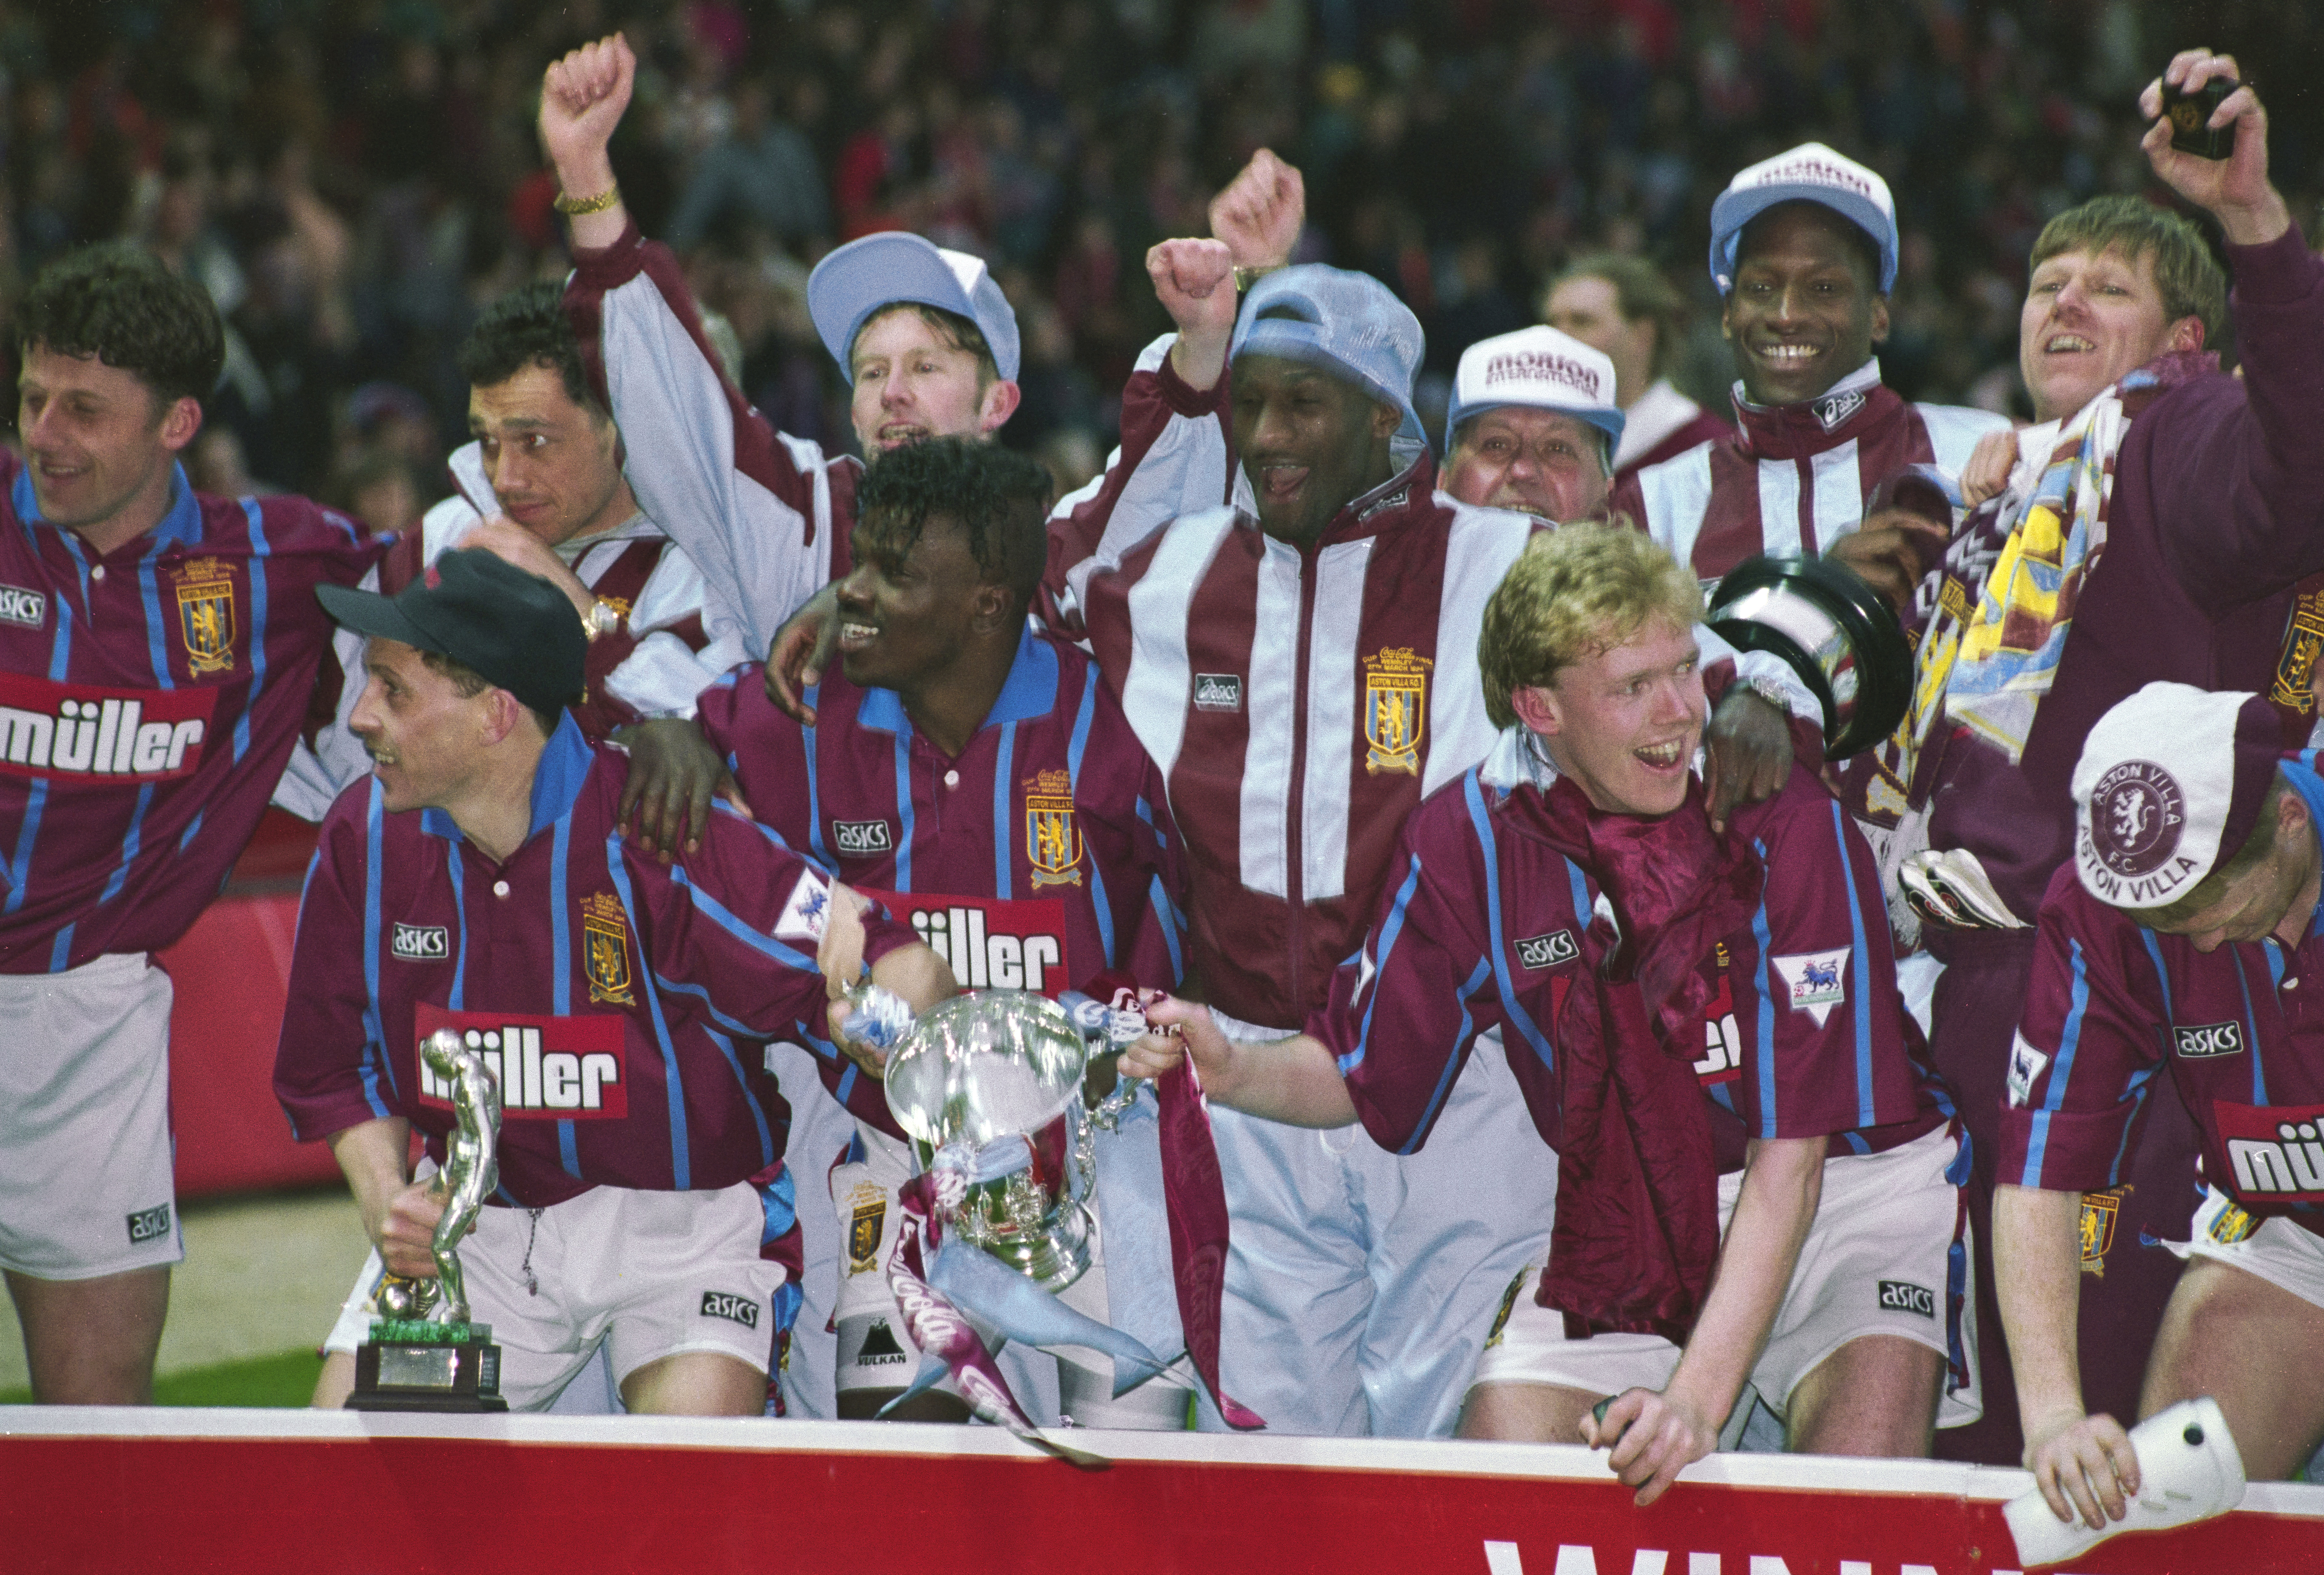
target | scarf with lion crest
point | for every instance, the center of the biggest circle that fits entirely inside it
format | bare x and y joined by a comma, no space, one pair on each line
1994,618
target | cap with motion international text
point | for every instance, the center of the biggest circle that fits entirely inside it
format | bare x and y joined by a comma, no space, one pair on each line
1537,366
893,266
1346,324
1810,173
2169,785
515,629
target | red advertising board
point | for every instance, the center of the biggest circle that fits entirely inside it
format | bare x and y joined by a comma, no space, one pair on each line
256,1492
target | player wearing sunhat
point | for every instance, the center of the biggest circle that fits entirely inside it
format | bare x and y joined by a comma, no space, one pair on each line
1803,252
2185,936
477,882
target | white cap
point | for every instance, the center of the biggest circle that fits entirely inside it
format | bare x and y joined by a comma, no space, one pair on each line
1810,173
2169,780
1540,367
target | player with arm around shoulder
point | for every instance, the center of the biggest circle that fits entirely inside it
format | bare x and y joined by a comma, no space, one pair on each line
1511,890
2185,936
976,771
478,882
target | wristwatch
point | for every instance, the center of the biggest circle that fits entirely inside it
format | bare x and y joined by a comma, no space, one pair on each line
603,618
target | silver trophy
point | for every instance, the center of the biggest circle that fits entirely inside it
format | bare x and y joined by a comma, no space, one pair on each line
424,1354
1837,632
998,1063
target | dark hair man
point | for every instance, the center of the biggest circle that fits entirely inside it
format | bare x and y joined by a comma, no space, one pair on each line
158,651
2192,898
478,882
1800,1167
542,485
2156,526
979,776
1804,251
1626,308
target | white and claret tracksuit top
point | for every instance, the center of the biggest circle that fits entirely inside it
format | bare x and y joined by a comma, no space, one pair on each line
1794,480
1300,702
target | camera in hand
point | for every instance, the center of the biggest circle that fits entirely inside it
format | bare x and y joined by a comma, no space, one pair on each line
2189,114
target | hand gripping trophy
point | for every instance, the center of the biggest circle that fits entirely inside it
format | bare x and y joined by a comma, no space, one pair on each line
413,1360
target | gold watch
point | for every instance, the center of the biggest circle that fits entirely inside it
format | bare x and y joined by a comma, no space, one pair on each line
603,618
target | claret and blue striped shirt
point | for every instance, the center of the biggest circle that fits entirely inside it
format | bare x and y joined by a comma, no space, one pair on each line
149,697
1485,924
2111,1003
622,1000
1053,799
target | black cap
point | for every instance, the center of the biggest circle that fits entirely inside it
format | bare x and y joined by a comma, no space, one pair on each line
516,630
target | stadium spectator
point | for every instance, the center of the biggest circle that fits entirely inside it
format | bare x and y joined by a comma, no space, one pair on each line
1626,308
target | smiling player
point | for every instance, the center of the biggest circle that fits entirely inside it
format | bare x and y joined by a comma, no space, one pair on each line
1746,956
158,652
1804,251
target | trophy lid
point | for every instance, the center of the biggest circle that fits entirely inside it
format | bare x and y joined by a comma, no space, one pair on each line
983,1066
1837,632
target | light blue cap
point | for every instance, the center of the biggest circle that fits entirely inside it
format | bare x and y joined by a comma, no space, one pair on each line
854,281
1350,325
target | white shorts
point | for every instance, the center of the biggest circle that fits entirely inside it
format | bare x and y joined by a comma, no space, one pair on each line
1887,1255
648,1274
86,1187
2280,1252
877,1352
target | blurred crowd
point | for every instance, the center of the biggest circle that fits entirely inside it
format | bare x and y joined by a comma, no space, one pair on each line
353,180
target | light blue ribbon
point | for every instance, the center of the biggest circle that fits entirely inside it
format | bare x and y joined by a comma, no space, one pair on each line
1141,1281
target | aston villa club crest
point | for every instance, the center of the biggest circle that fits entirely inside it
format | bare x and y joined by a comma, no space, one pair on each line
1396,709
206,615
2099,1212
605,949
1053,842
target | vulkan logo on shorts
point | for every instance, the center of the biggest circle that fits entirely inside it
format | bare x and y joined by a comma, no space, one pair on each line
560,1069
79,729
2276,1151
726,1305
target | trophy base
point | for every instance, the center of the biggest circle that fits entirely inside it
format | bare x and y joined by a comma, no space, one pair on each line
410,1366
1052,1257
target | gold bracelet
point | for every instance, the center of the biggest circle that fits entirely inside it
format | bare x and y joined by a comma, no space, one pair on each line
581,204
1245,278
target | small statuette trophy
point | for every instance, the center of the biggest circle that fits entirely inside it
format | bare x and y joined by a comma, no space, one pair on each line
423,1353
